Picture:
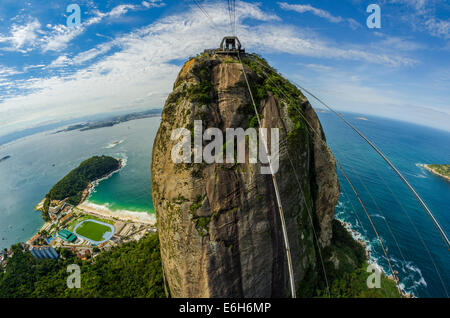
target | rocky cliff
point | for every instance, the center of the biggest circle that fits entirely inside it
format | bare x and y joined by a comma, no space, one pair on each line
218,223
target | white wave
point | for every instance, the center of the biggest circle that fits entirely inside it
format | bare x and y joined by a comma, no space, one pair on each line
370,245
114,144
376,265
353,232
415,269
378,216
423,170
412,278
123,156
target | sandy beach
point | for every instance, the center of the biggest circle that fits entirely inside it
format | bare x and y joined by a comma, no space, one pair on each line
102,211
99,210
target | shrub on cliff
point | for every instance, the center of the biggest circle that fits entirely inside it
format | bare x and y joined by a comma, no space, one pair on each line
347,275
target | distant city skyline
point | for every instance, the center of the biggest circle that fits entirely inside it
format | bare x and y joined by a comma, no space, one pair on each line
125,55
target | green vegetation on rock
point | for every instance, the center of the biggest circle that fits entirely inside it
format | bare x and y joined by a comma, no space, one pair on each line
202,223
344,258
201,92
346,268
354,285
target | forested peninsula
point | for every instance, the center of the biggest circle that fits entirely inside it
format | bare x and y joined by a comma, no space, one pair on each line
75,184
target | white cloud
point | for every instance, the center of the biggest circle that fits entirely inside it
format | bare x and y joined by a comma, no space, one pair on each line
423,17
303,8
439,28
61,61
292,40
7,71
121,10
122,80
418,5
61,35
29,67
153,3
397,43
317,67
83,57
22,37
93,53
247,10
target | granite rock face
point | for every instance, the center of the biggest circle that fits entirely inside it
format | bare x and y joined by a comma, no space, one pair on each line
218,223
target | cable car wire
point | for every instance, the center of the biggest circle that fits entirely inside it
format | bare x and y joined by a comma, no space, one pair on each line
275,184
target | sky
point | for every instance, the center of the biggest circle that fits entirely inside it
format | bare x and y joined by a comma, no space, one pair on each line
125,55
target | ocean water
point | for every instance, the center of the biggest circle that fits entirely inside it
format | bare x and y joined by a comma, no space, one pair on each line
37,162
415,248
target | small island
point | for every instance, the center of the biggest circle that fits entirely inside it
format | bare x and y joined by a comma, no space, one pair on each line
440,170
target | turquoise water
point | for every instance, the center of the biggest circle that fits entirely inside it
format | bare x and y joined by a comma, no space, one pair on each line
29,174
413,244
39,161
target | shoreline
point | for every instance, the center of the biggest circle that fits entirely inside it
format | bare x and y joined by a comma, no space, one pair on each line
358,238
87,207
100,210
435,172
122,215
91,185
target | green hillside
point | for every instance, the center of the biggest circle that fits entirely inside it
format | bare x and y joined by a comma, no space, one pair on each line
77,180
